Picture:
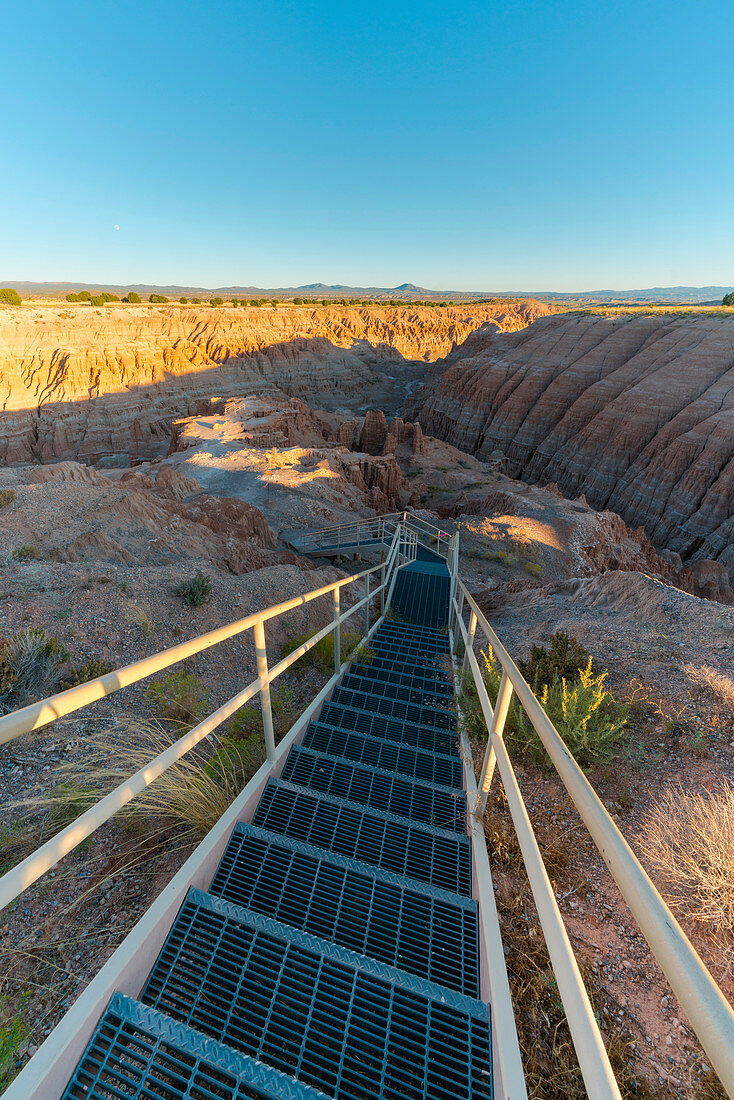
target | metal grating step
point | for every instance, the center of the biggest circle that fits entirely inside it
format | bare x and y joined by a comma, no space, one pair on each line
430,855
138,1052
409,647
421,594
377,788
422,695
422,930
435,682
437,639
428,669
379,753
416,713
377,725
347,1025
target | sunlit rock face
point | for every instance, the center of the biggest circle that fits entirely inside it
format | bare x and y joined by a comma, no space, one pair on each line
86,383
634,411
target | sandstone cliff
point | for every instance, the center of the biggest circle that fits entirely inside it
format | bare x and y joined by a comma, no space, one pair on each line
83,383
634,411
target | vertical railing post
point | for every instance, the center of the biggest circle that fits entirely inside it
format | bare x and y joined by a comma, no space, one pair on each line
499,716
337,633
469,640
458,612
382,589
366,605
264,677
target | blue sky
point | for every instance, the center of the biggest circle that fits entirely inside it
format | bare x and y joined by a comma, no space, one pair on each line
483,145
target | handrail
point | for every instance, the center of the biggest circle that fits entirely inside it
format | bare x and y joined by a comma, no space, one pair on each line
66,702
596,1069
15,881
710,1014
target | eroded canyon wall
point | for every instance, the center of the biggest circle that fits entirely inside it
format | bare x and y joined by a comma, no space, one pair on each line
634,411
80,382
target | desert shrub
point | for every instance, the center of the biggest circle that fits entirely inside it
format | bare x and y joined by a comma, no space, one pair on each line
179,697
196,301
27,553
688,837
586,715
132,297
89,671
10,297
197,591
29,667
98,300
140,616
14,1034
84,296
533,568
728,299
248,722
565,658
73,297
184,301
7,496
159,299
216,301
321,655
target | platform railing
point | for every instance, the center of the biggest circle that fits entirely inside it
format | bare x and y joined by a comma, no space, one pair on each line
710,1014
33,717
379,528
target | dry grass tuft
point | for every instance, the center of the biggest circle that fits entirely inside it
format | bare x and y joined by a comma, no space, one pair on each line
707,677
689,839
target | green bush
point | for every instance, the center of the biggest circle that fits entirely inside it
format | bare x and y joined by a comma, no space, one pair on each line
298,301
584,712
197,591
27,553
179,697
132,297
84,296
158,299
248,722
89,671
184,301
108,297
10,297
565,658
14,1034
98,300
29,667
73,297
196,301
728,299
321,655
216,301
234,302
7,496
533,568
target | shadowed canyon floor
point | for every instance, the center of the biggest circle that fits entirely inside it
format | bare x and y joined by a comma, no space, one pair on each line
93,554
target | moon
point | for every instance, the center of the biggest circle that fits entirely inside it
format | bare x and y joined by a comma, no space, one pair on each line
117,227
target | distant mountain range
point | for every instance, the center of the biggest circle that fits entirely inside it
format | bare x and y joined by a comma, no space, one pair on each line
670,295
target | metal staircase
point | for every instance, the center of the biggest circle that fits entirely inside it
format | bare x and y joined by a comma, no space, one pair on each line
336,951
335,934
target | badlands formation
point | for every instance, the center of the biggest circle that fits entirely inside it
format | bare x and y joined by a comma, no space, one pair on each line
77,382
635,412
140,445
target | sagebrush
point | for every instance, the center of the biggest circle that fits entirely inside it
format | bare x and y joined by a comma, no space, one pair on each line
30,662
